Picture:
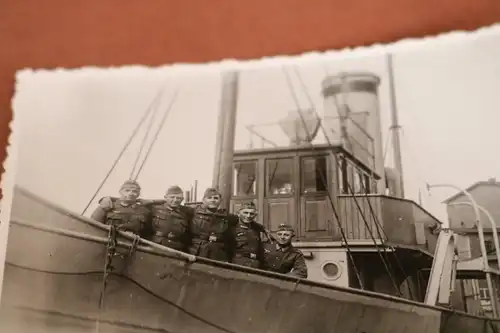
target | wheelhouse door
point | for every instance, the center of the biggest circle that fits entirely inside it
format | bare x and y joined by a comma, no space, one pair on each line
280,191
315,209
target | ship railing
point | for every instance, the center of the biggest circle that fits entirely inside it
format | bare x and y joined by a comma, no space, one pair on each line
390,219
266,135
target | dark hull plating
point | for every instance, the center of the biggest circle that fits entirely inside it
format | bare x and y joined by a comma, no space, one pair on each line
53,281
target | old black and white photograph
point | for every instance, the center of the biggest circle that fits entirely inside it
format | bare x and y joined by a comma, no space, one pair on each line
353,191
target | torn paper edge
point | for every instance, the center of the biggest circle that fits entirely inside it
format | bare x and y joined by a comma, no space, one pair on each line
403,45
378,49
7,183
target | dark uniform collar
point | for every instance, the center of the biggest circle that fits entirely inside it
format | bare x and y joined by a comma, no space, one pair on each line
245,225
167,207
124,204
284,249
205,210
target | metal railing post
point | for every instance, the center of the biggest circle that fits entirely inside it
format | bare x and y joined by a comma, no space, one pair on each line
482,244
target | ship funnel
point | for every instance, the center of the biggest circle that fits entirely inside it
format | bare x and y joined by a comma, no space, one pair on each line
300,126
352,117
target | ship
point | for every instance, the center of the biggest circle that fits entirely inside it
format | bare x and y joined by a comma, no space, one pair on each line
377,262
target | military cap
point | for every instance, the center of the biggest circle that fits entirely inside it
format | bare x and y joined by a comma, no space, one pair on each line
211,191
248,205
285,227
174,190
131,183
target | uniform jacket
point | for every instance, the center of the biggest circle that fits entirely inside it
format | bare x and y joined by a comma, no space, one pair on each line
135,218
212,234
248,242
285,261
170,226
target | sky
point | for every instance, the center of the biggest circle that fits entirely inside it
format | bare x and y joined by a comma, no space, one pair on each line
74,123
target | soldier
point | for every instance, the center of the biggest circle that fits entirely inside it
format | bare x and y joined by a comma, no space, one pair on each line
170,220
249,250
212,229
127,212
282,257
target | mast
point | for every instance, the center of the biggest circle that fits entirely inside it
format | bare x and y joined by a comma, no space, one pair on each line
395,127
226,129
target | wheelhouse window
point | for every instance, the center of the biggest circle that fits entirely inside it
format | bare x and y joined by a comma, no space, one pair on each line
245,183
343,172
352,179
374,186
357,185
314,174
367,184
279,176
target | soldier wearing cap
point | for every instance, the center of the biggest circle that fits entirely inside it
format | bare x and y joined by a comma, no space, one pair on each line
282,257
212,229
170,220
249,249
127,212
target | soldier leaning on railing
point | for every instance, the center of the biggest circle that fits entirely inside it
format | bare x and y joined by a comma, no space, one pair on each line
203,230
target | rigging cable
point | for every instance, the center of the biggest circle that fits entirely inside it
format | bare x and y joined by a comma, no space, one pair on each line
143,143
386,147
370,231
127,143
162,124
381,232
385,260
141,286
325,182
344,132
346,139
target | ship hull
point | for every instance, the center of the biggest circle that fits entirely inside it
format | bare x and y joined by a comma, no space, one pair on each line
54,278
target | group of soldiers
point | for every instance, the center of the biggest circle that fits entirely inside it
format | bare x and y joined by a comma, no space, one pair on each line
204,230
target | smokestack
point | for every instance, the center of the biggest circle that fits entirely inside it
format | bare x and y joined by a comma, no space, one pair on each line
352,117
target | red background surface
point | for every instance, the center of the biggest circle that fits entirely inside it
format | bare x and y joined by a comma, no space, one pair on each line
74,33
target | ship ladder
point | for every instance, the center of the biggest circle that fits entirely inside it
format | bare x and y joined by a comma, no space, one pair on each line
443,272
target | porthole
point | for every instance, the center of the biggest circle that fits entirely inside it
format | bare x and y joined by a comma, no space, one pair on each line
331,270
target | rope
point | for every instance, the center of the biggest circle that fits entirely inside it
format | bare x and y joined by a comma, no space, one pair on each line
325,183
108,268
127,143
162,124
